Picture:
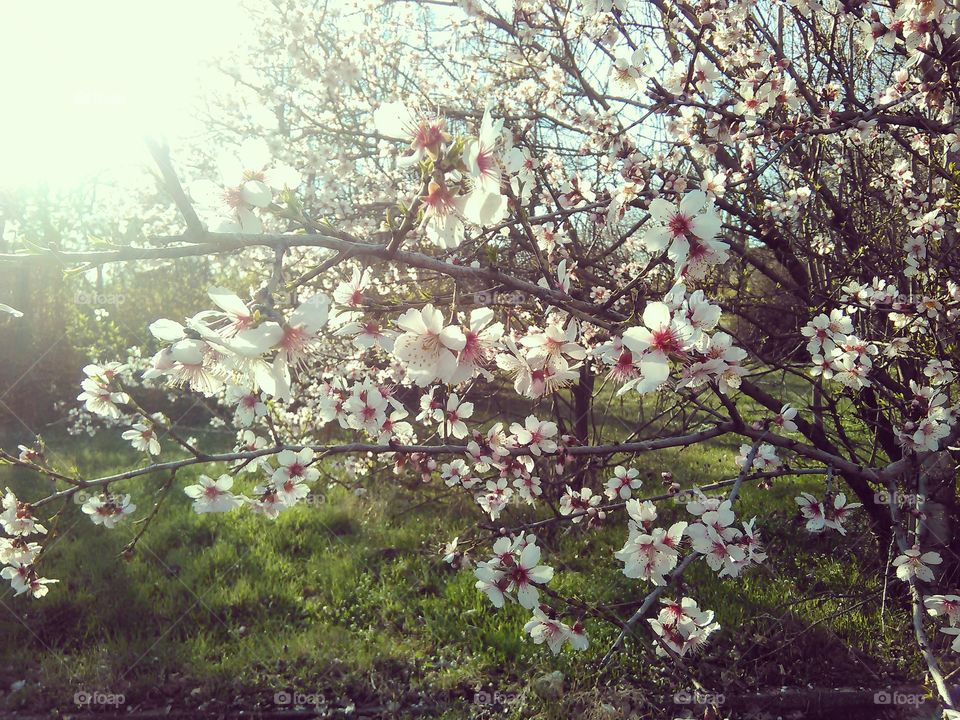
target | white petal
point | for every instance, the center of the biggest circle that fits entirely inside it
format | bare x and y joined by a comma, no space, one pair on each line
483,208
661,210
168,330
453,338
706,226
693,202
530,556
256,341
656,315
228,301
257,193
637,339
394,120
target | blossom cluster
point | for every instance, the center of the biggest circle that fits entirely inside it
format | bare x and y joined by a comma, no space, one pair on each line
827,513
682,627
17,553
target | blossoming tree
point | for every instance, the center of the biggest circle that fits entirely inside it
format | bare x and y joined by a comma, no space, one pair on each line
668,205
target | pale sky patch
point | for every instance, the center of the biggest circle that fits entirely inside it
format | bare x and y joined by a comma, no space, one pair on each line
84,82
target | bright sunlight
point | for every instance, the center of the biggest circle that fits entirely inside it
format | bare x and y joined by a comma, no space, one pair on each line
81,94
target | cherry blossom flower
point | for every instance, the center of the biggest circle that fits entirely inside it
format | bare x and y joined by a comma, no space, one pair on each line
489,448
246,185
784,419
427,135
249,405
694,220
107,509
266,501
18,551
683,627
554,341
825,330
143,438
538,375
622,361
764,460
211,495
838,511
427,349
17,517
701,315
442,215
525,574
522,165
661,336
294,471
650,555
577,190
454,416
394,429
235,313
457,473
193,357
717,544
481,337
453,556
948,605
544,629
582,504
249,441
628,70
367,334
528,487
495,498
351,293
99,394
913,564
366,408
493,583
829,513
930,431
23,579
537,435
754,102
623,483
431,409
480,155
813,511
641,514
296,341
514,570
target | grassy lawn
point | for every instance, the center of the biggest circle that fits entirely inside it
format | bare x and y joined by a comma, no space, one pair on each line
346,600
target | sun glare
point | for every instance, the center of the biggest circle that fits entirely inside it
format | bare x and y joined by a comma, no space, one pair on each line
85,82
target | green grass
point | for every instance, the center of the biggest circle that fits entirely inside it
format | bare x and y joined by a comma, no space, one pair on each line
348,598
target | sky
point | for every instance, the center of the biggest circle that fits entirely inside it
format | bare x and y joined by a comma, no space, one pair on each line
85,82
